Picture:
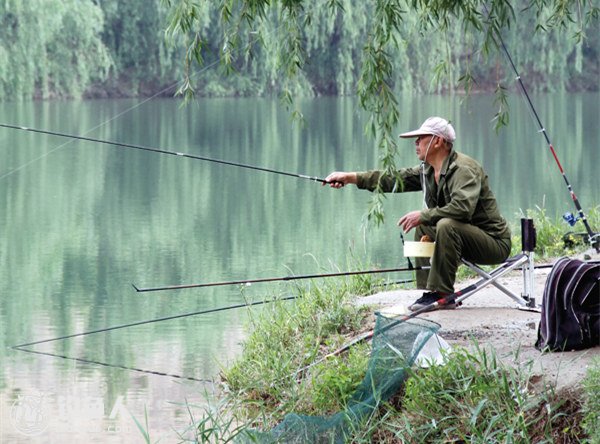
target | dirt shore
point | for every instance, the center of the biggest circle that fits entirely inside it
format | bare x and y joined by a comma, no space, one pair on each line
494,320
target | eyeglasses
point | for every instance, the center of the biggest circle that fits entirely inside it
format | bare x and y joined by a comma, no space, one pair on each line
422,137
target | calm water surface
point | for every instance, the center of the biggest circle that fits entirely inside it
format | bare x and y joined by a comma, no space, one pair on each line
82,221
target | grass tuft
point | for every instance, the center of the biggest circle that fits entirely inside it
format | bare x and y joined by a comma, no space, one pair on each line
556,238
591,406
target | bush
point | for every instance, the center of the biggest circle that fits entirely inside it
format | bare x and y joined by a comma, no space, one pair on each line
553,239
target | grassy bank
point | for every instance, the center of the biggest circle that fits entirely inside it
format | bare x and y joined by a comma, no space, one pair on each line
473,397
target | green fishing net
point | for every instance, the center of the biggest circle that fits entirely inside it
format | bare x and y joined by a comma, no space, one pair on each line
396,345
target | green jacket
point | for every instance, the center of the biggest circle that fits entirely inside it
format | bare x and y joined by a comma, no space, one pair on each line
463,193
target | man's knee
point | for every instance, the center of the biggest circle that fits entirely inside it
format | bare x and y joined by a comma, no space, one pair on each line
446,225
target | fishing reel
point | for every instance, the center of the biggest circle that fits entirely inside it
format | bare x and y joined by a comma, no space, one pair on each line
571,239
570,218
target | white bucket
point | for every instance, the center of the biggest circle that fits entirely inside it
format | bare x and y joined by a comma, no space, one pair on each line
432,352
418,249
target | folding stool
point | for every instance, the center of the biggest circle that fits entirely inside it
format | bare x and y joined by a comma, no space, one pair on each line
524,260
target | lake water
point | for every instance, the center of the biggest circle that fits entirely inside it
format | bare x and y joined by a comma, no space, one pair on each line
83,221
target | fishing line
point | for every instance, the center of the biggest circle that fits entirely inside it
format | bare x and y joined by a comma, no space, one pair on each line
593,238
22,347
100,125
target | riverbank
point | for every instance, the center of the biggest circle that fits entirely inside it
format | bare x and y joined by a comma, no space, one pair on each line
493,320
493,384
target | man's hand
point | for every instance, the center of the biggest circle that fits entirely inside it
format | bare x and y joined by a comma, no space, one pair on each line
338,179
410,220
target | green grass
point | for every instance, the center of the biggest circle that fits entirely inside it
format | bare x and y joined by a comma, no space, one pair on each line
554,237
474,398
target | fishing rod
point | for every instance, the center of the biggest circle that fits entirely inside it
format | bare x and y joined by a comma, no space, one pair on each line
161,151
167,318
25,347
292,278
106,364
593,238
274,279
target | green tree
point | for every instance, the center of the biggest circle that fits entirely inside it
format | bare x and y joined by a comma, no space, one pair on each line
134,35
445,38
50,48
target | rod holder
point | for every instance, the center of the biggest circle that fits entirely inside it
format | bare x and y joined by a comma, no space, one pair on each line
528,235
528,243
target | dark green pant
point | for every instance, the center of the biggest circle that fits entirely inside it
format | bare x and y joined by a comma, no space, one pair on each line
455,240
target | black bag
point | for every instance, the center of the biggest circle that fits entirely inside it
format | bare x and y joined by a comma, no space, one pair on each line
570,307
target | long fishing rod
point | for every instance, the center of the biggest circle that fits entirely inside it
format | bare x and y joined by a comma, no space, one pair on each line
593,238
161,151
106,364
167,318
23,347
292,278
274,279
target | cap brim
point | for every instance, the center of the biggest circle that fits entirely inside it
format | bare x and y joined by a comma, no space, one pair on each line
415,133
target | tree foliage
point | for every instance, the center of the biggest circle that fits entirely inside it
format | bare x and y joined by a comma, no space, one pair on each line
144,64
327,47
50,48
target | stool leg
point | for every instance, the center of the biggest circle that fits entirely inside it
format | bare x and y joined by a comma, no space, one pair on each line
498,285
528,280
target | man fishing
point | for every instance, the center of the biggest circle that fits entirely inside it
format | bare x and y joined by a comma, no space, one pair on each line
459,212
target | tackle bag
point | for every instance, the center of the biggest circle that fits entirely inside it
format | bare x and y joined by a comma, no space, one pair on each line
570,307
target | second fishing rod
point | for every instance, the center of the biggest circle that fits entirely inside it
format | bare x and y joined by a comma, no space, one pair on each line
593,237
281,278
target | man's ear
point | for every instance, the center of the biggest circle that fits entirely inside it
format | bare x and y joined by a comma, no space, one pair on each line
442,142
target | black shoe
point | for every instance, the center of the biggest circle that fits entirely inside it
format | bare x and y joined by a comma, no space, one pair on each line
428,299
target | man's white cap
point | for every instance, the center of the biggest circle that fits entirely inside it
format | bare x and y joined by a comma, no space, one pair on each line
436,126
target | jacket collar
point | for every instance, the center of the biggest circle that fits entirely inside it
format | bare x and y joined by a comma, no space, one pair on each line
448,164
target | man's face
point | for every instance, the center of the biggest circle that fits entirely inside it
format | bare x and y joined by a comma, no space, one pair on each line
421,145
